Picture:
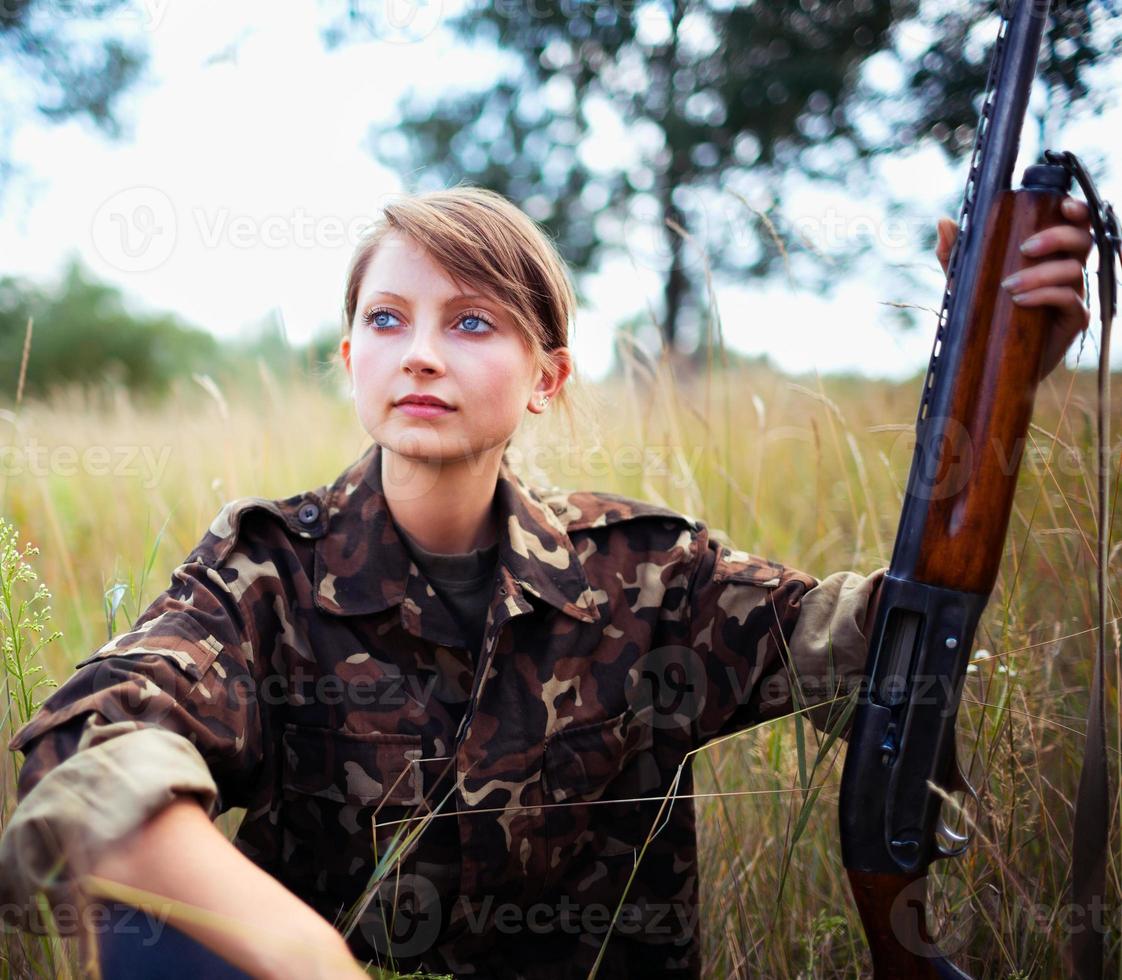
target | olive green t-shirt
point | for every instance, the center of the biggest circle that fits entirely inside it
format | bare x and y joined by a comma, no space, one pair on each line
464,582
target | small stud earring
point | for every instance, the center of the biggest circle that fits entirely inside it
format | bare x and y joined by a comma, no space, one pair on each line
542,402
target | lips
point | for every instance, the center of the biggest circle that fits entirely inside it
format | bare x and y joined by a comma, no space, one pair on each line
423,400
423,406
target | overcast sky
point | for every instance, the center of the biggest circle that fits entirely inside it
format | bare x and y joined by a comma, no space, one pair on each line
243,181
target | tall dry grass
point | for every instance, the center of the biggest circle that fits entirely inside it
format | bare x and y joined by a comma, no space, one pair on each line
806,471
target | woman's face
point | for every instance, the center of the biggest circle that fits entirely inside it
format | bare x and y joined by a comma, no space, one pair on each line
416,332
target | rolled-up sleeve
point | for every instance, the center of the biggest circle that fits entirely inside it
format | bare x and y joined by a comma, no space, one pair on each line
773,639
163,710
87,802
829,644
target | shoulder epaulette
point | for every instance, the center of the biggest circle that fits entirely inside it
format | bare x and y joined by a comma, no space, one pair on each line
303,514
583,509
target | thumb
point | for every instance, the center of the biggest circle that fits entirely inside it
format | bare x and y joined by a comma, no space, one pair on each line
946,231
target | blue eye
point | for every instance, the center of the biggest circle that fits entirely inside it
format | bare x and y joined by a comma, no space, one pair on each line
472,323
478,319
377,317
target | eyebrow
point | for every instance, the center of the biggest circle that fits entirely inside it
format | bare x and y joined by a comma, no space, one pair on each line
455,299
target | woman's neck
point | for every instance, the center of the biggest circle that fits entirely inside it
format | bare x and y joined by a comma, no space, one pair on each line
446,507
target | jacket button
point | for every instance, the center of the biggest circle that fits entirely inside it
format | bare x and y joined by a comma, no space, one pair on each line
308,513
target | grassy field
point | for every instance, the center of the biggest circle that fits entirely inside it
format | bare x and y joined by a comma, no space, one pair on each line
114,495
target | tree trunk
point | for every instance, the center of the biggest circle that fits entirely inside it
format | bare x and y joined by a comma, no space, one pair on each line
677,287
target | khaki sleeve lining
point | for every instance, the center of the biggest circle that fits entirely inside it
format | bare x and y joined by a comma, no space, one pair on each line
829,635
89,801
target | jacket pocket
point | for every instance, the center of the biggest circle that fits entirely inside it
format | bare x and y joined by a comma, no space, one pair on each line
593,776
371,769
583,761
343,797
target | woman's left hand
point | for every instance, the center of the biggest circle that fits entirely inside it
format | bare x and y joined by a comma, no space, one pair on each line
1057,282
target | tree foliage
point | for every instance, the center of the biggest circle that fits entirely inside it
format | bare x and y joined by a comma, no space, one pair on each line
64,60
83,334
719,103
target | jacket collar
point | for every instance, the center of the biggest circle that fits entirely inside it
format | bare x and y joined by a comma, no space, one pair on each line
362,565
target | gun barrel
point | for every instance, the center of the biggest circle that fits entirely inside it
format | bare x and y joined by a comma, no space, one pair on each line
995,154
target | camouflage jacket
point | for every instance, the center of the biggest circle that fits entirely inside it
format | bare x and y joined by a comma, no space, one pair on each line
494,801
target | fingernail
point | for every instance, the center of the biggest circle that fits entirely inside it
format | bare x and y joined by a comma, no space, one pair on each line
1018,297
1030,246
1012,281
1071,206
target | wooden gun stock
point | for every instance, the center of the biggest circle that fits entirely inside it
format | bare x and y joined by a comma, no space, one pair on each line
894,913
991,406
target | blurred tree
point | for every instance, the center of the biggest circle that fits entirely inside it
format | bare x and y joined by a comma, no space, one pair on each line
320,355
266,344
714,104
83,334
63,60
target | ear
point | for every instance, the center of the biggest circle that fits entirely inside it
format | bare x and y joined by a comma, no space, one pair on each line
345,353
549,384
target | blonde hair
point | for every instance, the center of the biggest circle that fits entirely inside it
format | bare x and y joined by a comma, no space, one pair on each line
481,238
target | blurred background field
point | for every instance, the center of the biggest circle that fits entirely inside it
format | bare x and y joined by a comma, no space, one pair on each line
804,470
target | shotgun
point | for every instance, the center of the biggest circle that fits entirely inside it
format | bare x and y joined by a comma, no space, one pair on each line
971,427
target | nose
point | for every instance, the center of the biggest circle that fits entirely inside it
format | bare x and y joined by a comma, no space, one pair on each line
421,356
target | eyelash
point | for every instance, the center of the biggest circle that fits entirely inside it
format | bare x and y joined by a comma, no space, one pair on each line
368,319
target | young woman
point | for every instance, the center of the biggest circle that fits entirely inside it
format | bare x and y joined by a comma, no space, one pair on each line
432,686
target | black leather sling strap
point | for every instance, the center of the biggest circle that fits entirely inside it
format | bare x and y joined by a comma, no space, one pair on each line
1091,827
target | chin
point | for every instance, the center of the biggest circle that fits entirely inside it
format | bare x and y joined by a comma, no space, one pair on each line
418,443
436,449
421,450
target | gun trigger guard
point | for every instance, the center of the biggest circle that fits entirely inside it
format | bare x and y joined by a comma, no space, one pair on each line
957,783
